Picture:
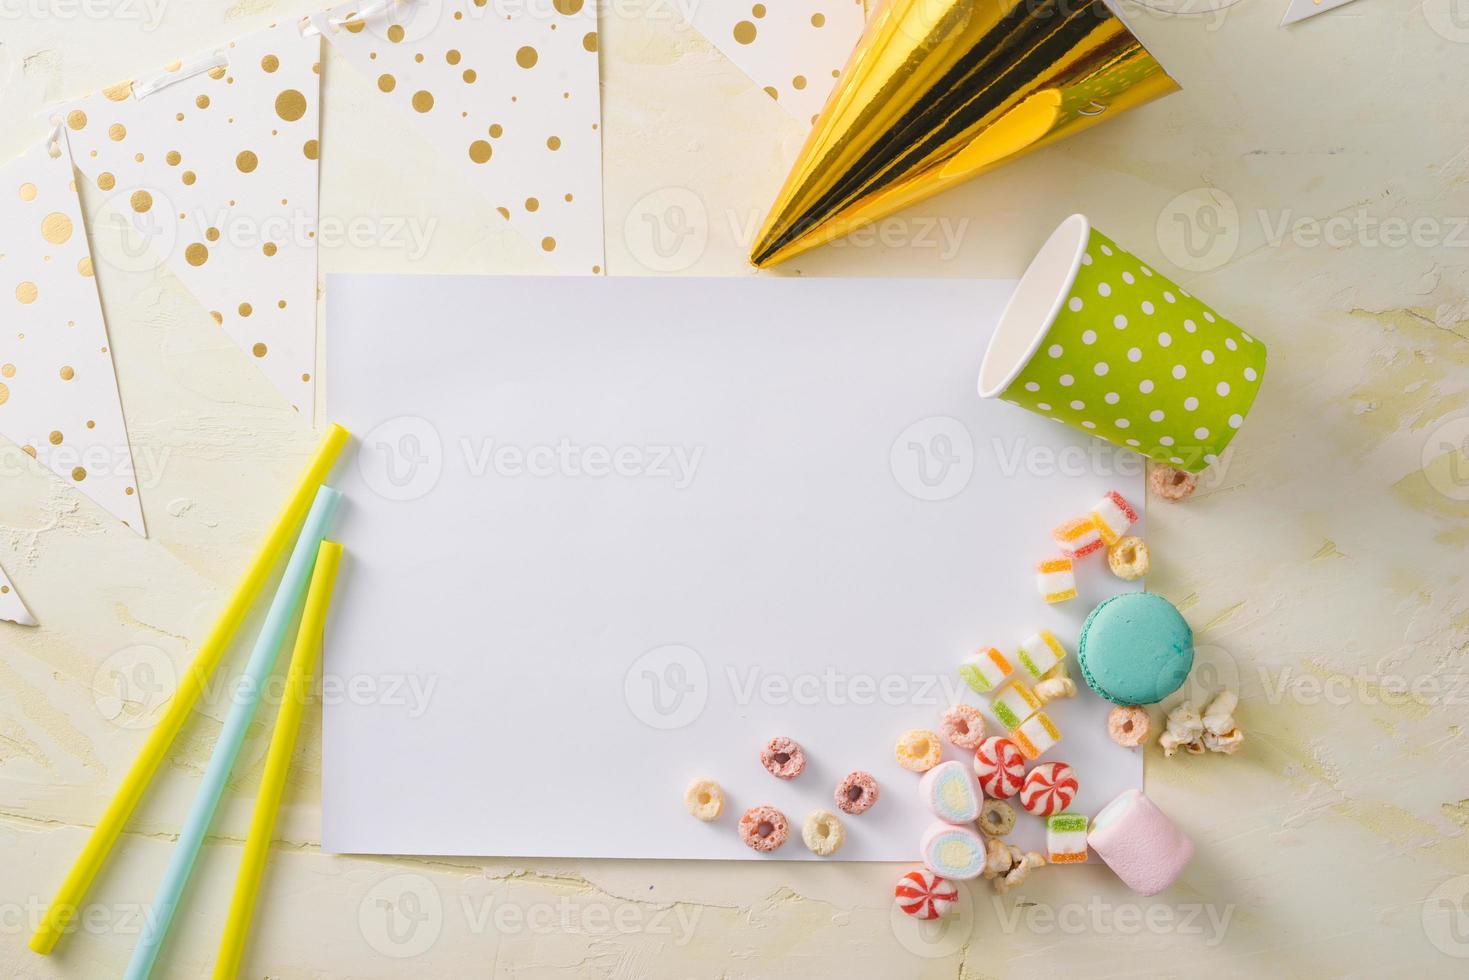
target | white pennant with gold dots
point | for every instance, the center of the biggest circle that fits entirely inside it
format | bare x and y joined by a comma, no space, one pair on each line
12,609
793,49
508,94
214,163
58,392
1299,10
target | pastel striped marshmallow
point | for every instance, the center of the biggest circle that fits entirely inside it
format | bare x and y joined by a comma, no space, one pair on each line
952,851
1066,838
950,793
925,895
1014,704
1036,736
985,669
1078,538
1040,652
1056,579
1113,515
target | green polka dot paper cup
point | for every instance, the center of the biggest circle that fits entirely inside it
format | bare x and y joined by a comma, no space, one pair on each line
1098,340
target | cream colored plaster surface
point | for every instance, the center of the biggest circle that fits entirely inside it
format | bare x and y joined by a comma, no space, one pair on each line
1312,182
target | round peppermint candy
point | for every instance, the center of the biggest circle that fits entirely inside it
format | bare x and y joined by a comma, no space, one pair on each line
999,766
1049,788
925,895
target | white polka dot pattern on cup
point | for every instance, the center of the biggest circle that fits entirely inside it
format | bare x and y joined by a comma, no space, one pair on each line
1181,377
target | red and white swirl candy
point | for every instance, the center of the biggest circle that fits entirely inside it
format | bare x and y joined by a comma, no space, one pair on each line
1049,788
924,895
999,766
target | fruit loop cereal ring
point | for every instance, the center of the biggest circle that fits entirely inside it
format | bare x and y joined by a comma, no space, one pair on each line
1078,538
704,799
952,852
925,895
823,832
764,828
783,758
1013,705
1056,579
918,750
1036,736
984,670
1066,838
1039,653
1113,515
1128,558
997,818
1000,767
963,726
1172,484
1049,788
856,793
1128,725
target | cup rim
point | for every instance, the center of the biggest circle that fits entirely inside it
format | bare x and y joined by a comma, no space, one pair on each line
1038,277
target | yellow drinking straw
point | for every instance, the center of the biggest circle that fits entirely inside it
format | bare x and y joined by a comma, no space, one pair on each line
278,762
94,853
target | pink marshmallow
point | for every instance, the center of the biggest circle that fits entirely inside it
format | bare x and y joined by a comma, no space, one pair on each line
1139,843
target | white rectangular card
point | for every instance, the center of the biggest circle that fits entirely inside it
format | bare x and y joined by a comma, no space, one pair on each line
608,535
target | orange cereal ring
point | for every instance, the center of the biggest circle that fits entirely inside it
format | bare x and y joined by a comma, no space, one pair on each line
764,828
1128,725
918,750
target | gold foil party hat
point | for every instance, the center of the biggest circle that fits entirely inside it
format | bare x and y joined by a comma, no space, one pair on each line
938,91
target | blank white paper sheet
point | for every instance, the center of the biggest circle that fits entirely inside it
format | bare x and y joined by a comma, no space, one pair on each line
607,535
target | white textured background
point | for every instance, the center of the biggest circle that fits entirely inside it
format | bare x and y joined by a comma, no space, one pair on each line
1324,567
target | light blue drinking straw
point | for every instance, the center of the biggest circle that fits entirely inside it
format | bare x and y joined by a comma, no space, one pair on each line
283,611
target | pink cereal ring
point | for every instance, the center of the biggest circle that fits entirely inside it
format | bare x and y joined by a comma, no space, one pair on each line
764,828
963,726
856,793
783,758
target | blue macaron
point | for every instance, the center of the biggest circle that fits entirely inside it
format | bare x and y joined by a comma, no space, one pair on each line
1135,648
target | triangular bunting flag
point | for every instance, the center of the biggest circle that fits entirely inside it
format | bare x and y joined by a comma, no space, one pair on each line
509,94
58,392
214,162
1301,9
12,610
794,49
